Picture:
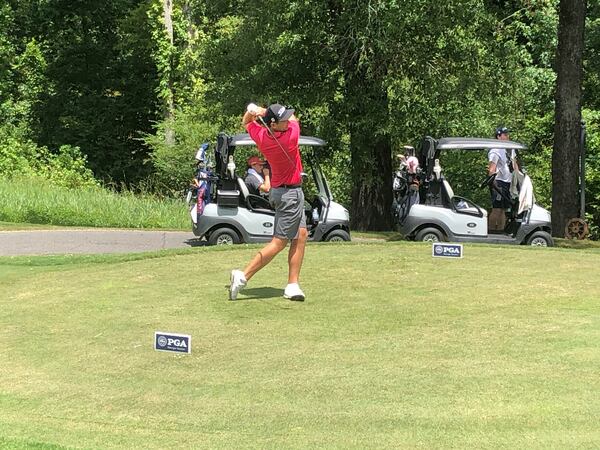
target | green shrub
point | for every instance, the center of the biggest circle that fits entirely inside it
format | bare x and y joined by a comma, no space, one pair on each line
17,153
19,157
174,162
67,168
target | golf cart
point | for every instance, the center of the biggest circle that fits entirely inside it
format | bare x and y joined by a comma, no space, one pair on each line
438,214
225,212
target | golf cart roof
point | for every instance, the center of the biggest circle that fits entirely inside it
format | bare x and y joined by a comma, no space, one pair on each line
460,143
244,139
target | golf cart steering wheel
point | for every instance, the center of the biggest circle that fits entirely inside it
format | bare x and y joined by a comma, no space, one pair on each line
488,180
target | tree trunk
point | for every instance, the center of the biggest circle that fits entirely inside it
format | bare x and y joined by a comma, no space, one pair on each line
169,106
188,13
372,180
567,125
371,151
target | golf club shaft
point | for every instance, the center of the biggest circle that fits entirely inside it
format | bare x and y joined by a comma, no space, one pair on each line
273,136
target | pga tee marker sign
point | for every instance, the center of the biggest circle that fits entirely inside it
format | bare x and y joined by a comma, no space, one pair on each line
172,342
440,250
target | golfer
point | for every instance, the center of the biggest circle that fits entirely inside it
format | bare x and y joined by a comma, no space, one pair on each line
500,190
276,132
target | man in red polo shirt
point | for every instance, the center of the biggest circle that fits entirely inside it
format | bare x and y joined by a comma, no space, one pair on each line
276,136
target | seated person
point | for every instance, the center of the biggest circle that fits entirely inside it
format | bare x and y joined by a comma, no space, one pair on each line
258,177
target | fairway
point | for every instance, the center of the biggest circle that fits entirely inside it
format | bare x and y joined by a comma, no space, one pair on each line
392,349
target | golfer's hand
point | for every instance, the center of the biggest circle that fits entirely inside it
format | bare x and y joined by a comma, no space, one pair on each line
256,110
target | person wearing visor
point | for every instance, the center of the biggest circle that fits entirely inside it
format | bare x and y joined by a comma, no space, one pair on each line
276,132
498,163
258,177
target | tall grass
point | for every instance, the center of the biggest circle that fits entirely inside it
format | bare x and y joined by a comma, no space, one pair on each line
36,201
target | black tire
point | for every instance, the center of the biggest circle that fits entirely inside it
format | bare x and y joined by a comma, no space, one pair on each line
338,236
429,235
540,239
223,236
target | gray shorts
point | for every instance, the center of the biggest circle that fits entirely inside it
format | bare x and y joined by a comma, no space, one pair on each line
289,211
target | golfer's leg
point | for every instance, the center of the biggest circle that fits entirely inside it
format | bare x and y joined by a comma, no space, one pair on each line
496,222
501,220
265,256
296,255
491,220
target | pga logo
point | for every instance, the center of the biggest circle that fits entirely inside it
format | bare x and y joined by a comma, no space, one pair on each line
172,342
447,250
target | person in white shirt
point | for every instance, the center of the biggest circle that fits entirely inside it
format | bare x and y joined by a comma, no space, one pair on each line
500,189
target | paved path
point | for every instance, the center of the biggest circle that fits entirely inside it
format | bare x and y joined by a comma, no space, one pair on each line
54,242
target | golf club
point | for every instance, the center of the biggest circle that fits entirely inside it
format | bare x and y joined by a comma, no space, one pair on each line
252,108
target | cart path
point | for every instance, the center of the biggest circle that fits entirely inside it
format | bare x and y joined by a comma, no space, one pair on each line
57,242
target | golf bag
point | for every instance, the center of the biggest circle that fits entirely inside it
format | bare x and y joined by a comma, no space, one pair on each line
406,188
202,181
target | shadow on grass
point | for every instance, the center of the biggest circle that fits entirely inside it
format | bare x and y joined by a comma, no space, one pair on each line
377,235
196,242
261,293
573,243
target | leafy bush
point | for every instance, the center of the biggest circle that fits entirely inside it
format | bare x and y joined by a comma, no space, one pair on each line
174,162
67,168
16,152
592,161
19,156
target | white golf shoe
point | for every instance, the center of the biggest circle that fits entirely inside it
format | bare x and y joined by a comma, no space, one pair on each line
238,282
293,292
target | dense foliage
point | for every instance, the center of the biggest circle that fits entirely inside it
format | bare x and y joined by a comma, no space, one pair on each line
136,86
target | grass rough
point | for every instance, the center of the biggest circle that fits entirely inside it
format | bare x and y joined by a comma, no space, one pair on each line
33,202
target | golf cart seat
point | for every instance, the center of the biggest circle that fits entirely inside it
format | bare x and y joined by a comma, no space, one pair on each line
253,202
459,204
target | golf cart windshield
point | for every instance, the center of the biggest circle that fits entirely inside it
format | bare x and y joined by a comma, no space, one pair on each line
244,139
227,144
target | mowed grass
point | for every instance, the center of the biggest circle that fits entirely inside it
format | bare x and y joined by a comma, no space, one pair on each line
392,349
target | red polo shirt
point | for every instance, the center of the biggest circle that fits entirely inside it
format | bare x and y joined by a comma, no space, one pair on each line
284,169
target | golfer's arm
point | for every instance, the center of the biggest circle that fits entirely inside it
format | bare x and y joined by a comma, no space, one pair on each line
492,168
248,117
266,186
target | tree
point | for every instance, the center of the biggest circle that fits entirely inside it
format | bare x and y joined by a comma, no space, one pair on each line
567,125
165,65
372,74
99,79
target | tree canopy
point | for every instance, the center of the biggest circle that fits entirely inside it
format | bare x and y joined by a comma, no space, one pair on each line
137,85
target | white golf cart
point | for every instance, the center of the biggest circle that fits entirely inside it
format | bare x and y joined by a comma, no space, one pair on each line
232,215
440,215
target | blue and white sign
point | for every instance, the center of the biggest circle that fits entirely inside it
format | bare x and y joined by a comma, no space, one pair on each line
447,250
172,342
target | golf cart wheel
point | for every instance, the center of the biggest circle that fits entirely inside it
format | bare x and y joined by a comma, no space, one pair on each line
338,236
540,239
429,235
223,236
576,229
